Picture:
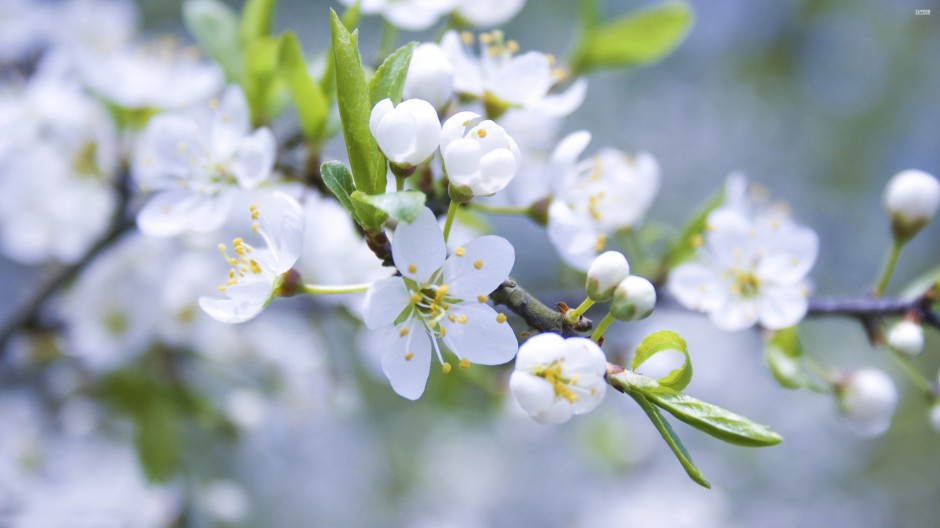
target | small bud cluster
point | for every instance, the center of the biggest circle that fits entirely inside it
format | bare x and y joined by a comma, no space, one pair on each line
608,279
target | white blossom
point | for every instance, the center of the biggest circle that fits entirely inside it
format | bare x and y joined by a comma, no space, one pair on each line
430,76
867,398
911,198
634,298
194,160
934,416
750,269
556,378
596,197
605,273
907,337
257,273
411,15
407,134
489,13
479,156
226,501
439,300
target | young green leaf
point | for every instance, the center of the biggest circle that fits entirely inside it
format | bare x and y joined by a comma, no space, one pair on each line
339,181
389,80
716,421
404,206
685,245
215,27
312,106
257,17
350,19
671,438
643,36
782,352
365,159
264,87
657,342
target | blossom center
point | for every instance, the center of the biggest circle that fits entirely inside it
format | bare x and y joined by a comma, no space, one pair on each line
552,373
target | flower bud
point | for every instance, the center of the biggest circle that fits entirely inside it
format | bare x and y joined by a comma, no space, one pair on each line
430,76
935,416
607,271
407,134
907,337
912,198
479,155
867,398
634,299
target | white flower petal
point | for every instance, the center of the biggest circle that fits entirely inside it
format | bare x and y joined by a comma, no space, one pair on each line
384,301
590,395
571,147
255,158
526,79
485,263
789,255
230,121
534,394
564,103
407,359
539,350
170,213
481,338
697,287
290,235
468,78
418,248
782,306
558,413
732,238
735,314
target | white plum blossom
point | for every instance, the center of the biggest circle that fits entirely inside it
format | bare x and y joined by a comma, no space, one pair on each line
605,273
407,134
749,270
911,198
634,299
195,160
438,299
430,76
488,13
867,398
596,197
411,15
257,274
907,337
480,158
556,378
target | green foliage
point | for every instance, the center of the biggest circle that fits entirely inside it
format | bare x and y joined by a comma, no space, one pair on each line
350,19
782,352
215,27
389,80
660,341
312,106
404,206
366,161
641,37
257,19
339,181
685,245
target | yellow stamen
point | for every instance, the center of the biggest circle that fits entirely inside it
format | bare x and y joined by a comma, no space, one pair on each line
446,368
478,264
412,268
462,319
501,318
409,355
460,252
403,332
464,363
481,298
481,133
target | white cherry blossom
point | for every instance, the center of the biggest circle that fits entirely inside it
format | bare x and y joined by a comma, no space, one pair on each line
605,273
411,15
489,13
194,160
907,337
749,270
257,273
867,398
439,299
634,299
556,378
430,76
479,156
408,134
911,198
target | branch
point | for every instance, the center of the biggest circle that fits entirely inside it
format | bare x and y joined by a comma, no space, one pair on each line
871,308
533,312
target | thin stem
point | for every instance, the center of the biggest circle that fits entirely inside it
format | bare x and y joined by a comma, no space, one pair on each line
572,316
320,289
399,183
602,327
500,209
915,376
451,213
888,269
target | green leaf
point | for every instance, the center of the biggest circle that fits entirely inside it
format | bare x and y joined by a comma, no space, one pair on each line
689,240
215,26
158,439
782,352
257,17
404,206
350,19
339,181
264,86
657,342
309,99
365,159
641,37
389,80
716,421
671,438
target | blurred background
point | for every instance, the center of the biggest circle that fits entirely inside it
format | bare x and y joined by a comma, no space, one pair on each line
819,101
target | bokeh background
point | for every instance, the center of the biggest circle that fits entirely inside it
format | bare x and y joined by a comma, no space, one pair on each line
821,102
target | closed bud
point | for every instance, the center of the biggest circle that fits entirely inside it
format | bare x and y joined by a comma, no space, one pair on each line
912,198
867,398
907,337
607,271
634,299
935,416
407,134
478,154
430,76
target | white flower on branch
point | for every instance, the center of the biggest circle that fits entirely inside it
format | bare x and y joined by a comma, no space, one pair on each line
438,299
489,13
867,398
407,134
257,274
748,271
411,15
605,273
596,197
430,76
911,198
556,378
634,299
193,160
907,337
480,158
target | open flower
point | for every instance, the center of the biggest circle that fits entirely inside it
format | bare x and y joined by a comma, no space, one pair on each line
194,159
479,156
407,134
258,273
556,378
749,270
437,299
